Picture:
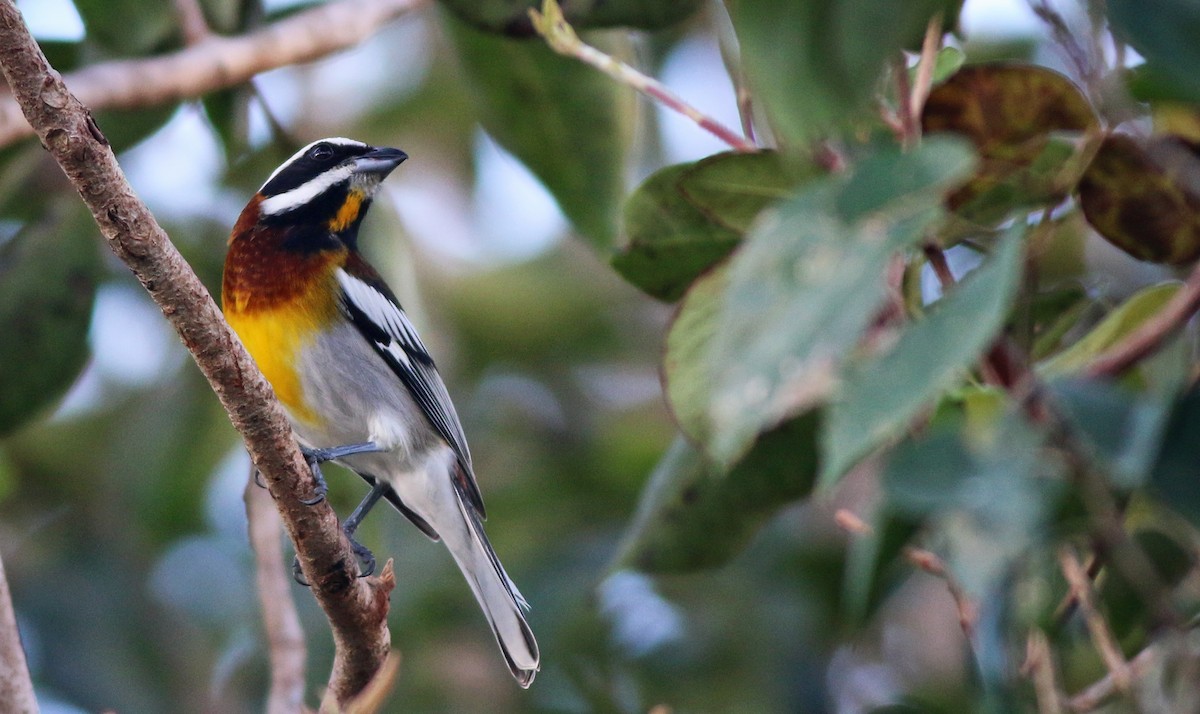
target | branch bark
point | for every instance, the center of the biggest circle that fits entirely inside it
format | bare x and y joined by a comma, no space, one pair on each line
285,637
215,62
356,608
16,689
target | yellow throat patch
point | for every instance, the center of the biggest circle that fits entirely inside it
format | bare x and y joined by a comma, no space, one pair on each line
348,213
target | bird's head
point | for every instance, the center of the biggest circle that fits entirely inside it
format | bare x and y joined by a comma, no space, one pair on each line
326,186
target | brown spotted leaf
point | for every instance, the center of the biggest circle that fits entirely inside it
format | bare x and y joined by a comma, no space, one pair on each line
1143,196
1009,112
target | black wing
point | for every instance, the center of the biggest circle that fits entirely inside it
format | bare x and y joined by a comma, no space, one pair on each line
372,308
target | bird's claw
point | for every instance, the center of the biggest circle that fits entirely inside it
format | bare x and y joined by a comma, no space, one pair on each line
366,559
321,488
366,563
297,572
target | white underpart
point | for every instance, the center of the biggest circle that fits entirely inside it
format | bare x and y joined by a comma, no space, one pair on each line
389,432
305,192
382,312
336,140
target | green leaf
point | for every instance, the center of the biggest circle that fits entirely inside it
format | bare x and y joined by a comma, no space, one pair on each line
1176,475
125,128
1124,604
947,61
228,113
1164,32
564,120
128,28
1009,111
807,283
732,188
1123,431
686,370
685,218
874,566
231,16
814,64
668,240
693,514
881,396
511,17
1123,320
1141,196
989,499
48,277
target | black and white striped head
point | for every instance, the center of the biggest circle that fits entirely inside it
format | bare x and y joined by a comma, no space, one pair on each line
329,182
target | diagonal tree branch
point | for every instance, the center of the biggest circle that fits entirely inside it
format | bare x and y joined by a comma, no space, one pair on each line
215,62
356,608
16,689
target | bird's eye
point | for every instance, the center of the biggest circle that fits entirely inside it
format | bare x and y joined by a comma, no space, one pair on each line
321,152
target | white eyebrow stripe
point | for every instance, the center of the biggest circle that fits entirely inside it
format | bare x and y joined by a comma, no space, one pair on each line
339,140
305,192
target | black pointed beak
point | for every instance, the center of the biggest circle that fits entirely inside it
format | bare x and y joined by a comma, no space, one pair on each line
380,160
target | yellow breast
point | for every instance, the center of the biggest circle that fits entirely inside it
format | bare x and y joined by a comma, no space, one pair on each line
274,341
276,336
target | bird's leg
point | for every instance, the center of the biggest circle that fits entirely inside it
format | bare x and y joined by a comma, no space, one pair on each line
316,457
349,526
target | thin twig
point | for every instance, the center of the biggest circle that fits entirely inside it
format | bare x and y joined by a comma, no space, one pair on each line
924,79
968,611
561,37
1151,334
285,637
356,607
1039,666
16,688
1102,637
1096,694
745,105
851,522
910,123
217,62
1076,53
1067,606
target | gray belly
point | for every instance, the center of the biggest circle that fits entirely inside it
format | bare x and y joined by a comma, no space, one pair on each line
360,399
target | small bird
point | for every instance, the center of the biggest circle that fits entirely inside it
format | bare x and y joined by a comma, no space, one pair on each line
356,381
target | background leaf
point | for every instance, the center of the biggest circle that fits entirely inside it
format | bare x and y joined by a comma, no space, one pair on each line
693,514
1118,323
1009,112
576,140
128,28
831,52
1162,31
48,278
807,283
881,396
685,218
1143,197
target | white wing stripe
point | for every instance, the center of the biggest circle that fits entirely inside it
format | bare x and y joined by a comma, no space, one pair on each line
381,311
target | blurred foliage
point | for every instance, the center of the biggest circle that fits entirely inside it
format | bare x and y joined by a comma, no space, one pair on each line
49,272
752,500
